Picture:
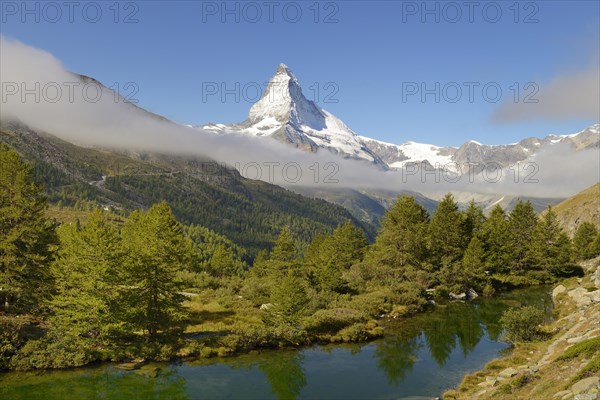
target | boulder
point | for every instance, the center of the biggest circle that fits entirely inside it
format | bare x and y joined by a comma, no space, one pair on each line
265,307
460,296
472,294
508,372
558,290
559,395
585,385
587,396
580,296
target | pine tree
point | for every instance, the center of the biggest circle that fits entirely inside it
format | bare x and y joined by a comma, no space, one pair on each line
473,219
285,248
88,272
400,246
445,234
27,235
522,224
222,263
473,265
288,299
495,236
329,257
583,241
551,244
156,250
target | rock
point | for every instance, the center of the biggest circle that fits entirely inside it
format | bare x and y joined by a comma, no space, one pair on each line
265,307
580,296
431,302
585,385
508,372
575,339
587,396
592,333
460,296
487,383
472,294
558,290
594,296
562,393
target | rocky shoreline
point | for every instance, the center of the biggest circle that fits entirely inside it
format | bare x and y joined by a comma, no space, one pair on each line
537,370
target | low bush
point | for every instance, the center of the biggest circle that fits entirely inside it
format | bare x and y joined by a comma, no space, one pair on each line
521,324
587,348
332,320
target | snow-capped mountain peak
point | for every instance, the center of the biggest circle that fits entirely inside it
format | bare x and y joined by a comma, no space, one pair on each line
284,102
285,114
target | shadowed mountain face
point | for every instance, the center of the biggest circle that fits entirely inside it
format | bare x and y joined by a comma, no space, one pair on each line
200,191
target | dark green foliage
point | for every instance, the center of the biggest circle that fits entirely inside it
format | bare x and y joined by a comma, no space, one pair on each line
87,309
446,236
551,245
523,224
27,237
400,248
521,324
473,219
156,249
585,241
328,258
495,236
586,348
473,266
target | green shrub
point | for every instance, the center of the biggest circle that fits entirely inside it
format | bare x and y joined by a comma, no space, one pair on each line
521,324
359,332
43,353
587,348
11,338
373,303
247,337
332,320
592,368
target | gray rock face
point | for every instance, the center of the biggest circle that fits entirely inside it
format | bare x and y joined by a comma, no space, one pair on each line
586,385
508,373
460,296
472,294
558,290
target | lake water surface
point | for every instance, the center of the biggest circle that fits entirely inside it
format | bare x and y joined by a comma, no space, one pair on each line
419,356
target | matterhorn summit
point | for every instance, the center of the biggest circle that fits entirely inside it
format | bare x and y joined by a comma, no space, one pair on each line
285,114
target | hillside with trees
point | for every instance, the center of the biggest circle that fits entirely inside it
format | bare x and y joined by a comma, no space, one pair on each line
147,286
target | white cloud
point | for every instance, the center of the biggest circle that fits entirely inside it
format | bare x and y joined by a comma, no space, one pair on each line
107,123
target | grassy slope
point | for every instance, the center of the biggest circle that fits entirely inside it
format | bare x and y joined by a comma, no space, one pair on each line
584,206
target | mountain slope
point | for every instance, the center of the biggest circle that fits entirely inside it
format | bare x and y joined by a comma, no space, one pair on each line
584,206
250,213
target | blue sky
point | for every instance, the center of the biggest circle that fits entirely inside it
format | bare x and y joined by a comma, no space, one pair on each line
371,52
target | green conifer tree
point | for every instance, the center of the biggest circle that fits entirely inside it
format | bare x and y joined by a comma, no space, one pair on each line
28,237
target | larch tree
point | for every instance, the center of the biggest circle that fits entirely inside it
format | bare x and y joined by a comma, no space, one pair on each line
28,237
156,249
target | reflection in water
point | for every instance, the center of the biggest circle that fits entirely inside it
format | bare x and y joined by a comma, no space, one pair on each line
420,356
284,372
397,356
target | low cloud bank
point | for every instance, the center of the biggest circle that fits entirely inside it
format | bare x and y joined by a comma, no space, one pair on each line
38,91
